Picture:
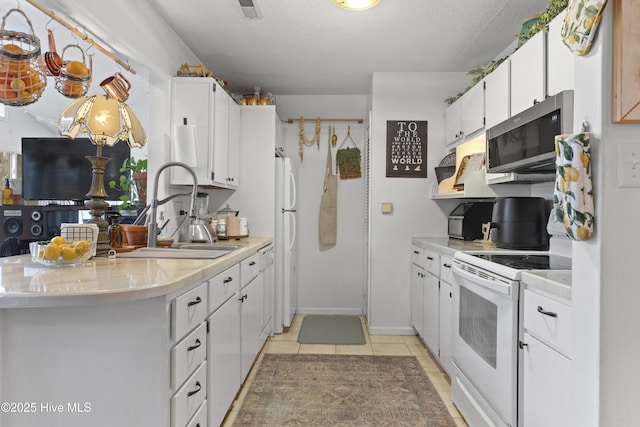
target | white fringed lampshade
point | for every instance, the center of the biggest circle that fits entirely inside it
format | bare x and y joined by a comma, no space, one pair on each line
104,120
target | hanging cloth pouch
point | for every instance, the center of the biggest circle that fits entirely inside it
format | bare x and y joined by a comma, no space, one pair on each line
573,191
581,24
328,220
348,158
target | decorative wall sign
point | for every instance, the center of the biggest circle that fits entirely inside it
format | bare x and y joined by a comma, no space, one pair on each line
407,148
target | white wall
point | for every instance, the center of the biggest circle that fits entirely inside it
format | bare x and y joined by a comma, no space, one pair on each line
605,269
330,281
398,96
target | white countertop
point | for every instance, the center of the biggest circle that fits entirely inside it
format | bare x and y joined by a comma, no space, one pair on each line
555,282
25,283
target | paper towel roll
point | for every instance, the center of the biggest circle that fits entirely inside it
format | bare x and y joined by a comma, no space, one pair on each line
183,145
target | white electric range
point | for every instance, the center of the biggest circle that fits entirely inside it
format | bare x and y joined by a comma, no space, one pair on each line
486,331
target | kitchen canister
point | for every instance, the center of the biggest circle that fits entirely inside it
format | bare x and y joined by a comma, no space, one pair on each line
233,226
221,227
244,227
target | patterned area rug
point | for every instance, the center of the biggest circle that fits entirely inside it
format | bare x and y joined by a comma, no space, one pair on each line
341,390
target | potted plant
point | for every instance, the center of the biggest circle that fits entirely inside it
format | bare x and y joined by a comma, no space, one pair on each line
133,183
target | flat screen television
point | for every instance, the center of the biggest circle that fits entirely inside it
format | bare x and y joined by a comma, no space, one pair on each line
56,168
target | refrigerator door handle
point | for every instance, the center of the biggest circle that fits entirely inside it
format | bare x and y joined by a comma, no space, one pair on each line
293,230
288,210
292,179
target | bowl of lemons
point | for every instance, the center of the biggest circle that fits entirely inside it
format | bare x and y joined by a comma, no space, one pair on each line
58,252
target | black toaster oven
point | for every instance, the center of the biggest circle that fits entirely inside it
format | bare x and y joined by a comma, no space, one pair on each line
465,221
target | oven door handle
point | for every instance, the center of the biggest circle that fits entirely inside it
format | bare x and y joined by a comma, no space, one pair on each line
501,287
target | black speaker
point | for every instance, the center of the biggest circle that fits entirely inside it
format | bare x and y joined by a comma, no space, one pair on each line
23,222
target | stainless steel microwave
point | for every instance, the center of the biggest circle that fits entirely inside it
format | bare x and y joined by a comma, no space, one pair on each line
525,142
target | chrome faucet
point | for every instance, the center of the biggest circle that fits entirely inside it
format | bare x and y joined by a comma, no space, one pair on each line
197,230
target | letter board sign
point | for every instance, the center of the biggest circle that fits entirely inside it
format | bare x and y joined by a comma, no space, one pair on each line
407,148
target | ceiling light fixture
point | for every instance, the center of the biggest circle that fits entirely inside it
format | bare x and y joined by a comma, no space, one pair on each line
356,4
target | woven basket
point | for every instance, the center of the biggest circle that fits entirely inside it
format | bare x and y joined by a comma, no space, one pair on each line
69,84
22,70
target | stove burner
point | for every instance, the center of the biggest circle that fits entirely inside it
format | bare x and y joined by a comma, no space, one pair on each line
529,262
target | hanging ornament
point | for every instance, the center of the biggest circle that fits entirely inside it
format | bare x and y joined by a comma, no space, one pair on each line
303,139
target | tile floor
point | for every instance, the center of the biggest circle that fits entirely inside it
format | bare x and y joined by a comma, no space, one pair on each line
390,345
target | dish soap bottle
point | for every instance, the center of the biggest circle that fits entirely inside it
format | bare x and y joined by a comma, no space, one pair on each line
7,193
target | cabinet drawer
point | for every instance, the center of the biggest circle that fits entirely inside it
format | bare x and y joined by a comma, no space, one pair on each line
432,263
223,286
417,256
550,321
187,355
200,418
249,269
189,397
446,275
189,310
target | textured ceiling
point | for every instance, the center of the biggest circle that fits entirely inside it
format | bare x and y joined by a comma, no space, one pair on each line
309,47
314,47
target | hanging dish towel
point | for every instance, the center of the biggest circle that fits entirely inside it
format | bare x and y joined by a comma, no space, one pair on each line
573,192
328,221
581,24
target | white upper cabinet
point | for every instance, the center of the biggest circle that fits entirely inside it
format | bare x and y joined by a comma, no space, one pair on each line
205,104
497,95
465,116
560,60
453,122
192,99
234,145
528,74
473,109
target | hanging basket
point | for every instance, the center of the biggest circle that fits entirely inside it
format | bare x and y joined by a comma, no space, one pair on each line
75,77
348,163
22,70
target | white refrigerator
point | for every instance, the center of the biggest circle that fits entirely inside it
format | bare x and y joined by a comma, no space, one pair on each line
286,247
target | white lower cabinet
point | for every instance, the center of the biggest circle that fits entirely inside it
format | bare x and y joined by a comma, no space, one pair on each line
417,299
189,397
431,300
218,329
547,386
431,303
547,366
224,359
250,323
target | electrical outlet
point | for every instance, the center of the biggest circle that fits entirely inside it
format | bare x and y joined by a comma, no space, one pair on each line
629,165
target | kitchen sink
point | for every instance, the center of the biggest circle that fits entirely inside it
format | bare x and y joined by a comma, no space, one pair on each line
204,246
183,252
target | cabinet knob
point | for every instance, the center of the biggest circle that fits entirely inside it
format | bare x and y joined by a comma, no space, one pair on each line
522,345
227,280
446,265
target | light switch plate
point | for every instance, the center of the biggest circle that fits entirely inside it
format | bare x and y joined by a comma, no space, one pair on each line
629,165
387,207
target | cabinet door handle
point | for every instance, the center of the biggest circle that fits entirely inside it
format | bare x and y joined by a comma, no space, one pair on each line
252,263
227,280
196,345
416,252
446,265
198,388
198,300
430,258
244,297
547,313
522,345
535,101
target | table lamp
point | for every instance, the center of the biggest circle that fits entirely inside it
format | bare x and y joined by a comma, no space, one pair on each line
105,121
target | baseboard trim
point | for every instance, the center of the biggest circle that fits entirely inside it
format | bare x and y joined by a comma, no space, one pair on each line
343,311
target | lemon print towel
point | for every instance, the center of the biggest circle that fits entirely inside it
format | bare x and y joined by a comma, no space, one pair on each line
573,192
581,24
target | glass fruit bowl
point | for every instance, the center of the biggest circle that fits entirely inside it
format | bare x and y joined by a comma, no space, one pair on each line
59,253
